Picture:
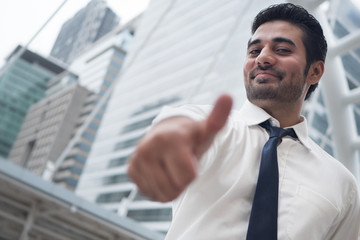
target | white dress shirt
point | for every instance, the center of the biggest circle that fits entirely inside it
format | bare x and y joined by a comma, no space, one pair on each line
318,196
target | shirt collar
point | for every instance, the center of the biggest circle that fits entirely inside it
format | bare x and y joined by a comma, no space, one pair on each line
253,115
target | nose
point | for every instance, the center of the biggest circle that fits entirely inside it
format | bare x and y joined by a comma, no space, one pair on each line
265,57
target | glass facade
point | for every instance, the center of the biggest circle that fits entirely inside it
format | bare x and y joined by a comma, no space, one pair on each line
87,26
21,85
48,127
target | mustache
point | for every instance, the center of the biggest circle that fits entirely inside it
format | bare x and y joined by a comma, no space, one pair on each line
270,69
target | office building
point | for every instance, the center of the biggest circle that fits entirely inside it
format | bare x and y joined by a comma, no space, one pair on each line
99,64
52,123
22,83
87,26
48,128
190,52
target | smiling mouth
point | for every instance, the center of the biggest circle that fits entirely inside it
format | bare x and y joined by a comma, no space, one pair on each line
266,75
263,78
269,73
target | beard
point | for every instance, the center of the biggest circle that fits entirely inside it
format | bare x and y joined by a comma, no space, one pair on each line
284,91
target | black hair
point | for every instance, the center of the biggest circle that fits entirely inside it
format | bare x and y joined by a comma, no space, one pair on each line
313,39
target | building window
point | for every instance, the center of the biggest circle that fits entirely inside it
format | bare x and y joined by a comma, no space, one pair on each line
150,215
28,152
84,147
118,161
140,197
114,179
77,157
138,125
73,169
160,103
320,123
127,143
112,197
89,136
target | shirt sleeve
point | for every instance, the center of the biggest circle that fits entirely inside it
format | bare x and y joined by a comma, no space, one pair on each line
348,227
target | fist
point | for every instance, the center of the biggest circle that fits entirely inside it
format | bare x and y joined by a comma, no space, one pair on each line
165,161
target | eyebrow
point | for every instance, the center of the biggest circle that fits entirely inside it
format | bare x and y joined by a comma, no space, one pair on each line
276,40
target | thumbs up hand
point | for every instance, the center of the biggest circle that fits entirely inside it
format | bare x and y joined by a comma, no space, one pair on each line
165,161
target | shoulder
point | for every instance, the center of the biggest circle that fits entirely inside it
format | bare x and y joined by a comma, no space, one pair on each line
341,180
341,171
330,160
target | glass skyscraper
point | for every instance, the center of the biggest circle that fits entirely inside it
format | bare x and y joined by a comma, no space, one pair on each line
23,83
87,26
44,144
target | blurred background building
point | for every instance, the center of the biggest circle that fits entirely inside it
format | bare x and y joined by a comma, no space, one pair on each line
186,51
21,85
53,122
87,26
54,140
47,129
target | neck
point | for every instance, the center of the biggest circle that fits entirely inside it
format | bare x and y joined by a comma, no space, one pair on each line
288,114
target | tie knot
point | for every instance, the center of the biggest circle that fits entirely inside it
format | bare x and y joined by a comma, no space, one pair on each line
276,131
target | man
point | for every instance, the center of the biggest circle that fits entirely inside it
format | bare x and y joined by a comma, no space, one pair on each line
209,161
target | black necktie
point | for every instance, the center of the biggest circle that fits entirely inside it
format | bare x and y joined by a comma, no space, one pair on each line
264,211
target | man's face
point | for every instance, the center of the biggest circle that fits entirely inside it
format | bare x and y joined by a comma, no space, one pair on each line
274,70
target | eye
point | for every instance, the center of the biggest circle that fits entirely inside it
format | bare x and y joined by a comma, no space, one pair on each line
283,50
254,52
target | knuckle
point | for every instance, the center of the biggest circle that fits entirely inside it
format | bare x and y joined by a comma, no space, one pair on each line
161,138
141,151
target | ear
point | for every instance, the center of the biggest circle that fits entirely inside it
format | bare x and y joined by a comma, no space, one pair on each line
315,72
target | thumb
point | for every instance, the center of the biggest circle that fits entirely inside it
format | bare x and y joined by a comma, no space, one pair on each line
219,115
